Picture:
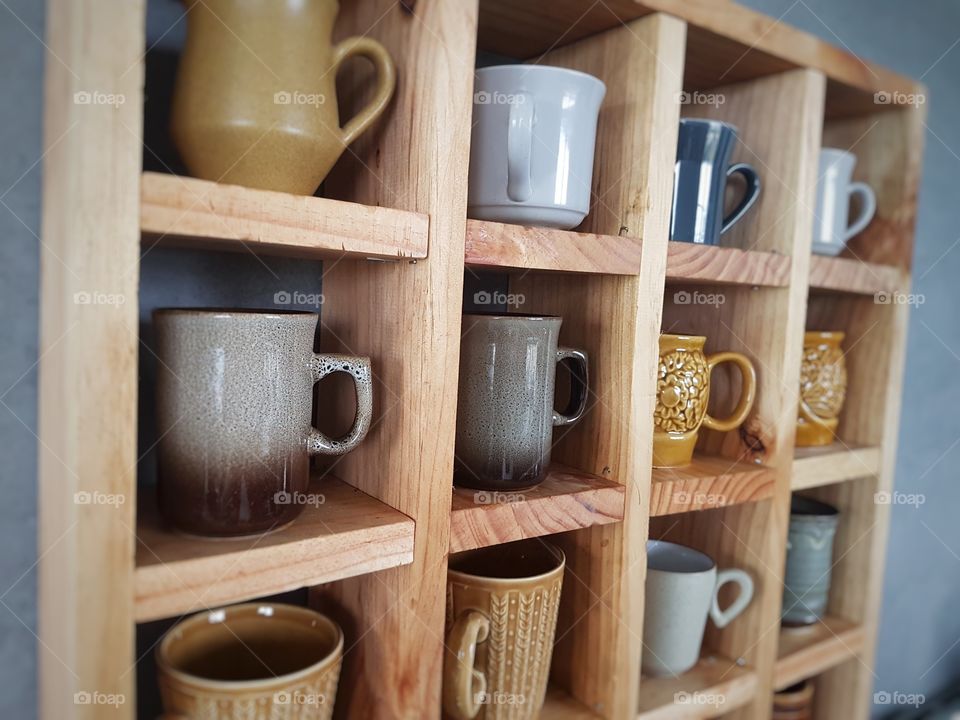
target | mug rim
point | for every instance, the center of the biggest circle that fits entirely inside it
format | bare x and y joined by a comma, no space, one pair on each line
211,312
466,578
672,336
837,151
687,548
838,335
537,68
294,612
492,315
804,507
711,121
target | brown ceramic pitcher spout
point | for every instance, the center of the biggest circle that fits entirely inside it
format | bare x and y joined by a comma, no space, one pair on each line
255,101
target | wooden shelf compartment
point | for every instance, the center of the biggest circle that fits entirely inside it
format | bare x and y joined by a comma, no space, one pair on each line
689,262
850,275
350,533
828,464
566,500
501,245
709,482
558,705
187,212
713,687
807,651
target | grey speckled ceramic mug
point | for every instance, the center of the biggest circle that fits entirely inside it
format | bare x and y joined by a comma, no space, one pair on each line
505,415
806,578
234,400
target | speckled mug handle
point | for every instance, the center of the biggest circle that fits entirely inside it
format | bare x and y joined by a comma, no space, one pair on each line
579,372
324,364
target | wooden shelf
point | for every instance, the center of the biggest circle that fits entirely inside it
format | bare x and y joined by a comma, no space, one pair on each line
828,464
349,534
559,706
565,500
708,482
689,262
186,212
850,275
808,651
713,687
498,245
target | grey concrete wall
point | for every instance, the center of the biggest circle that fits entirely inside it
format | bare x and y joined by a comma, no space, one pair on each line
920,631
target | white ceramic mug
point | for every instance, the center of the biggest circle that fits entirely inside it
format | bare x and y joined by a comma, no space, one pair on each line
531,153
835,188
681,591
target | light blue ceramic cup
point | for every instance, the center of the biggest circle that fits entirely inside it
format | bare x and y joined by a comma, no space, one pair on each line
806,580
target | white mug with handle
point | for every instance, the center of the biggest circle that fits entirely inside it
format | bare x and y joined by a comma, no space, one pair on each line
832,227
682,588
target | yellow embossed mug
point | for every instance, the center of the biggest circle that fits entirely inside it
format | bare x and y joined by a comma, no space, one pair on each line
255,101
823,387
683,391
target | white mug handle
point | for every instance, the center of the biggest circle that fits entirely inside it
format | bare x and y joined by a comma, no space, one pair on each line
722,618
520,147
869,201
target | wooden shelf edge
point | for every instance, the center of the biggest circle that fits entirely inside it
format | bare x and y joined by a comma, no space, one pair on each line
565,500
500,245
708,483
187,212
849,275
558,705
690,262
829,464
349,534
715,686
826,645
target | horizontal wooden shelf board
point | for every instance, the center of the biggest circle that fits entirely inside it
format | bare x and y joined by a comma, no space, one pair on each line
565,500
499,245
708,482
350,533
690,262
849,275
726,43
828,464
187,212
807,651
558,705
713,687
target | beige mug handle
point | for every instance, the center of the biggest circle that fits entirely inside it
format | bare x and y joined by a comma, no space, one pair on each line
324,364
747,393
386,81
463,685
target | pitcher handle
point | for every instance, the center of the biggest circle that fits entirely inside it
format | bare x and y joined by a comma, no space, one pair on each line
386,82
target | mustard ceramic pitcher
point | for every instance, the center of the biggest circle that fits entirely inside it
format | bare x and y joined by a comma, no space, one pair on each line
255,100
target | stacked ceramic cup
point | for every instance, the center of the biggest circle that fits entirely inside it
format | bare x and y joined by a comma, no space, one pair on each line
806,581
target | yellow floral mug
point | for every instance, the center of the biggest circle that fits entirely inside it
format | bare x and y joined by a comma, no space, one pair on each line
683,391
823,388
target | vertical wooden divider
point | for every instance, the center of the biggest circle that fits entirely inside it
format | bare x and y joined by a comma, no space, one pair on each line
779,119
408,320
89,259
616,319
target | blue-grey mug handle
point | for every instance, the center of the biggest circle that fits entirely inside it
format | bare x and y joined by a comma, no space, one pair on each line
749,197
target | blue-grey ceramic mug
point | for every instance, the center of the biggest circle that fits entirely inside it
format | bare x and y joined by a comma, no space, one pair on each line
700,180
806,580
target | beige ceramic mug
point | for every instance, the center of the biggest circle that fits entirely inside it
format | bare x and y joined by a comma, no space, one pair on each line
502,605
257,661
255,100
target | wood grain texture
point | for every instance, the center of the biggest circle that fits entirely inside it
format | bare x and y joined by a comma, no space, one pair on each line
490,244
713,687
850,275
709,482
689,262
560,706
808,651
407,318
89,254
565,500
616,320
349,534
815,466
728,42
195,213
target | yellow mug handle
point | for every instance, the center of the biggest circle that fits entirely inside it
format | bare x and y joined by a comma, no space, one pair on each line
463,685
386,81
747,393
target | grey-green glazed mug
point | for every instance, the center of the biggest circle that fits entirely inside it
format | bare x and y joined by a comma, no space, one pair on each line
505,413
806,580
